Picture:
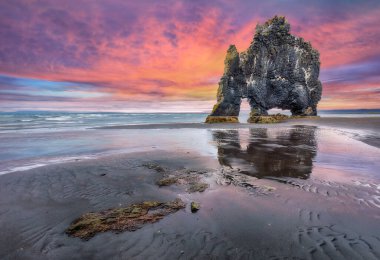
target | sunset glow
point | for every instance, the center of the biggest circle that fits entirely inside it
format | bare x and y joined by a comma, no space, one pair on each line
168,55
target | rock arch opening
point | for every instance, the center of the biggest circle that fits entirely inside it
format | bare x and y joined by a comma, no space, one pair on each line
245,110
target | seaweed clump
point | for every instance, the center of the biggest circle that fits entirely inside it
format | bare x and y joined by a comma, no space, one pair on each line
197,187
153,166
189,178
167,181
118,220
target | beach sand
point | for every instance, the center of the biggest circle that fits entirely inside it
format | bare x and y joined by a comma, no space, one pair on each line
302,189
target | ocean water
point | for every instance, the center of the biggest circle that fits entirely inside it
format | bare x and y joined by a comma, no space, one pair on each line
63,121
34,121
33,139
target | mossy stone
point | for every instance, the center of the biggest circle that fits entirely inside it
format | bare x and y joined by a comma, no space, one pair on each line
198,187
120,219
194,206
167,181
222,119
278,118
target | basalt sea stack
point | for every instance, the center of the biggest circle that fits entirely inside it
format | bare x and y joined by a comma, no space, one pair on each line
278,70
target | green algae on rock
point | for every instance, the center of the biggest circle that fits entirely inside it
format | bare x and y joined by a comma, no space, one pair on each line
154,166
118,220
222,119
167,181
278,118
184,177
191,180
188,177
197,187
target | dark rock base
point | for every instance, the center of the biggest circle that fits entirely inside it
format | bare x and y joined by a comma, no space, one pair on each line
267,119
278,118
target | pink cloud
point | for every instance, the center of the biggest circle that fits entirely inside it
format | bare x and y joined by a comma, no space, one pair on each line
174,50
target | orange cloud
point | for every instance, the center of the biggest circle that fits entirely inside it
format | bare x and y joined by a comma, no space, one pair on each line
170,51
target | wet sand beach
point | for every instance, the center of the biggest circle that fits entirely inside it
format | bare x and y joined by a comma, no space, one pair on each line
302,189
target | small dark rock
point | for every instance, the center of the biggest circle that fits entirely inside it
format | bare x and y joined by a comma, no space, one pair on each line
194,206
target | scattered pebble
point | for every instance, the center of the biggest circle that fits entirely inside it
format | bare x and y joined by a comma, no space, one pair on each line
194,207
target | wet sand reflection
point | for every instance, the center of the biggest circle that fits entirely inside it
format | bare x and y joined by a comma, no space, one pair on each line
268,152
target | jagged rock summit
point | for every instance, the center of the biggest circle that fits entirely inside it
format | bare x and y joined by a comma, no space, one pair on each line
278,70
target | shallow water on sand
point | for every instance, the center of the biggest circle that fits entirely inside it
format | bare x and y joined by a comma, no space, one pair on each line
279,192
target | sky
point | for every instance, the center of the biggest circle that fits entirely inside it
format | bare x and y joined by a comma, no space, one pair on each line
144,56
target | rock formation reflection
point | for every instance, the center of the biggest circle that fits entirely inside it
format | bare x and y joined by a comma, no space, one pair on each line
268,152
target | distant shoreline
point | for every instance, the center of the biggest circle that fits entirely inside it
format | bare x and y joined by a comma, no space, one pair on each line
326,111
